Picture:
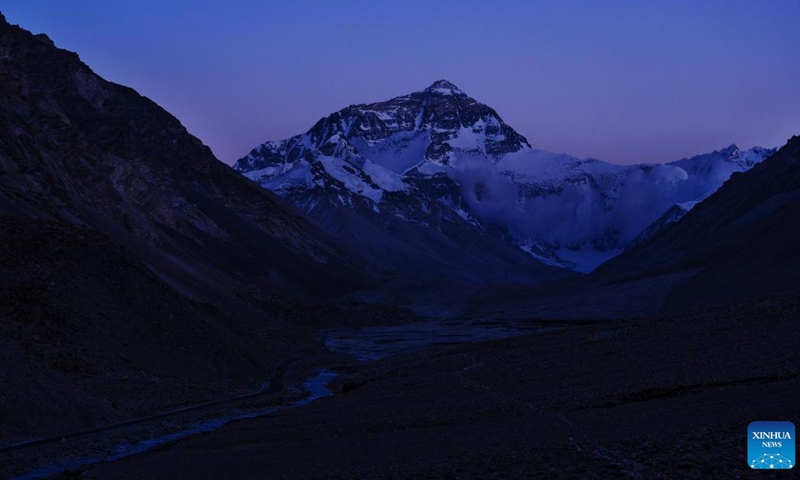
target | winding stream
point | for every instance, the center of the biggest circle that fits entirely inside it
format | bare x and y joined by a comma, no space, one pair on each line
315,386
367,343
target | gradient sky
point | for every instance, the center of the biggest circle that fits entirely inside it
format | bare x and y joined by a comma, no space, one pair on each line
624,81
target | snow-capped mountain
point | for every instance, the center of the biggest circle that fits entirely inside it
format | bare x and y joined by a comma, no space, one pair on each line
438,157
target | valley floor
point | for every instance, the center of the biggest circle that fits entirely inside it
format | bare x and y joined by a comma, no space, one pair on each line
667,397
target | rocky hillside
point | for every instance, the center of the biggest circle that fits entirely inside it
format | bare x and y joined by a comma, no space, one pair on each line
741,242
137,271
83,150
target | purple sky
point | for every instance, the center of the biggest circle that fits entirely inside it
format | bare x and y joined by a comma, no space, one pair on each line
627,82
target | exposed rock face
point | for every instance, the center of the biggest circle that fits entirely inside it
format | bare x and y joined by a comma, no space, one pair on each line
440,152
437,116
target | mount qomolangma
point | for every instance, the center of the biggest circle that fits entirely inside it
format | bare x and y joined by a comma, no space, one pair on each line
440,162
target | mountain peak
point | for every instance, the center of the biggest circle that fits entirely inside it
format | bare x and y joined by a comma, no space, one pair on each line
730,148
431,125
444,87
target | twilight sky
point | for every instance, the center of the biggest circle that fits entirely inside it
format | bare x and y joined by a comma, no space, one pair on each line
624,81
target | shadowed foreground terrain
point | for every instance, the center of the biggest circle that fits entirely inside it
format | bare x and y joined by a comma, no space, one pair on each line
137,272
667,397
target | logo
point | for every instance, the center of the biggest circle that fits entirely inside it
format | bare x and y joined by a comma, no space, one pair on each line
770,445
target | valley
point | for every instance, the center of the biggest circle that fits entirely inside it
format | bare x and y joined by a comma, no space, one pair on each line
408,289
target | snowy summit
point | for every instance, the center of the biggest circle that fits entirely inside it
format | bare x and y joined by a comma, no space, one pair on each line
438,146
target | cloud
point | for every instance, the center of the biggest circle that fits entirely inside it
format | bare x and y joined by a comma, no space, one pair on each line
491,196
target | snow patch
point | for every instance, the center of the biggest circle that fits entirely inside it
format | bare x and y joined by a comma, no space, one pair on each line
347,174
384,178
443,91
400,152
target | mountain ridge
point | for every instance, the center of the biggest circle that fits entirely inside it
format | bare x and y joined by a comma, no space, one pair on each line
739,242
441,145
108,157
137,271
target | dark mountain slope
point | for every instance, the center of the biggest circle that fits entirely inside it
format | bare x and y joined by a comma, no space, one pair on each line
137,272
742,241
88,335
76,147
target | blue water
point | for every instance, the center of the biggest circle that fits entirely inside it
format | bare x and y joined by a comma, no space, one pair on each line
316,387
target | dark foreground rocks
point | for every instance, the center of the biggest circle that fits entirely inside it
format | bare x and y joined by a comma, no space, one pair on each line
667,397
